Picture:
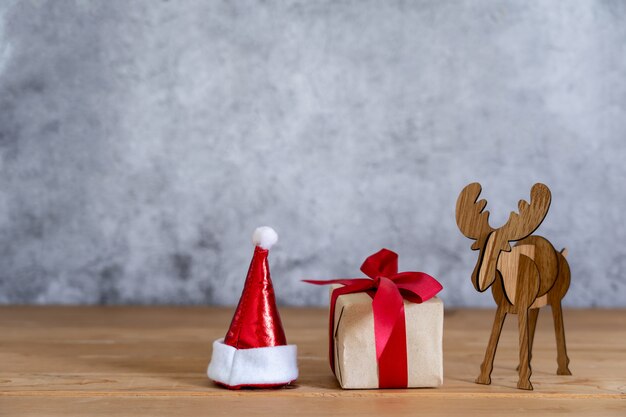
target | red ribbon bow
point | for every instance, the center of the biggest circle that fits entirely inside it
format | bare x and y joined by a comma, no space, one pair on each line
388,288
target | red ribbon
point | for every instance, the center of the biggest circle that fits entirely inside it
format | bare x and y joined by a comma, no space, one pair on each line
388,288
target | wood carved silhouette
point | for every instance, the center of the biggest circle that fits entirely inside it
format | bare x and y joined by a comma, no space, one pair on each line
523,279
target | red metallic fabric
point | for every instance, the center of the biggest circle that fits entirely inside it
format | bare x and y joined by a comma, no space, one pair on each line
261,386
387,288
256,322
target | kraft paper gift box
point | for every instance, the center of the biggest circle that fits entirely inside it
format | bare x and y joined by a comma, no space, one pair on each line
355,346
385,331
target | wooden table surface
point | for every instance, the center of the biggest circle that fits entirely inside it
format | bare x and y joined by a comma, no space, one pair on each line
146,361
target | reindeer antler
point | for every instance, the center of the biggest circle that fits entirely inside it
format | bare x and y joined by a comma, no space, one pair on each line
530,215
470,217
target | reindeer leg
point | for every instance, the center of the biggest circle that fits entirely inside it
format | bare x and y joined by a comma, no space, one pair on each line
490,353
524,350
562,359
532,326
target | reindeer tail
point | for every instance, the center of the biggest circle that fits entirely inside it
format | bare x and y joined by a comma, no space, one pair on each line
564,252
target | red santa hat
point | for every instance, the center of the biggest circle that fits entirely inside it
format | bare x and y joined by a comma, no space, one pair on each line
255,352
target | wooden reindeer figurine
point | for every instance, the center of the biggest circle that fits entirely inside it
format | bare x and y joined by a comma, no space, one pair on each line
524,278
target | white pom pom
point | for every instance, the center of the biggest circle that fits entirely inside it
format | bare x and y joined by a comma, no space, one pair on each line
264,237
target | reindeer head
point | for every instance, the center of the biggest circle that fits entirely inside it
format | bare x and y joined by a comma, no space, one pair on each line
474,223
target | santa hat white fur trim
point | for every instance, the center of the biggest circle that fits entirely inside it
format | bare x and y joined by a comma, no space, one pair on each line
256,366
264,237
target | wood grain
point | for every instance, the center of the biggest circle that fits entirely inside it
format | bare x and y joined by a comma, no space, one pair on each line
152,361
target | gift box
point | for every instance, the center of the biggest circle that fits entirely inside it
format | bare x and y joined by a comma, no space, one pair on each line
386,331
355,346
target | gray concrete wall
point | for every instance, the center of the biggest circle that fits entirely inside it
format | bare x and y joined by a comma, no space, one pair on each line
141,142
